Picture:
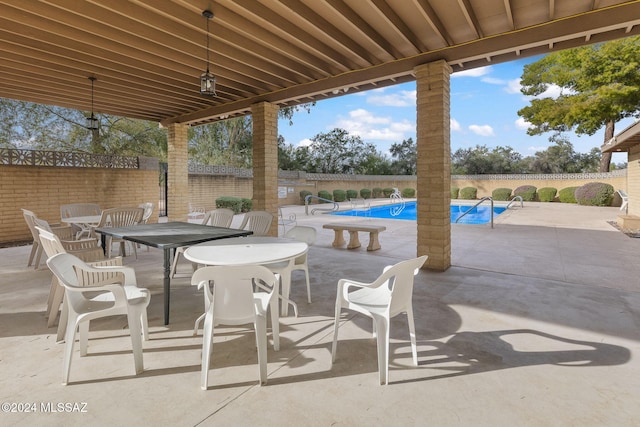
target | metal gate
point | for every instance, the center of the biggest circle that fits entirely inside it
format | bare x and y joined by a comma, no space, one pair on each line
162,184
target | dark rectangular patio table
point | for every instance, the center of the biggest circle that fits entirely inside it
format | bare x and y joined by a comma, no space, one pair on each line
168,236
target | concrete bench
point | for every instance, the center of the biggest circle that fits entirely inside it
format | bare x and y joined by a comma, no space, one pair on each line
353,229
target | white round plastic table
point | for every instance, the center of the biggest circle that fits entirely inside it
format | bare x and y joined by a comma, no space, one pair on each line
84,222
249,250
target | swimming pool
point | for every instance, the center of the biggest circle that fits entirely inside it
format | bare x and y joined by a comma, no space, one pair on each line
479,215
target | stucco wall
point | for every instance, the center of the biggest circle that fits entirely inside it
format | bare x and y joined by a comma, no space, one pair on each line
487,183
204,188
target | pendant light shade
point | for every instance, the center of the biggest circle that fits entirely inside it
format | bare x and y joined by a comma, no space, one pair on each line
92,121
207,80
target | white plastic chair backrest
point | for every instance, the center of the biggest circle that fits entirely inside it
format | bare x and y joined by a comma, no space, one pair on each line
79,209
50,242
73,274
221,217
302,233
232,293
148,210
257,221
29,218
398,279
121,217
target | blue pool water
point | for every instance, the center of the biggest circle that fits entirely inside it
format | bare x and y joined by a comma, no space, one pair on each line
479,215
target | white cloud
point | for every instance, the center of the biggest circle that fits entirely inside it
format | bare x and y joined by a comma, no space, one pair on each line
404,98
553,92
493,81
482,130
513,86
522,124
368,126
475,72
455,125
304,143
536,149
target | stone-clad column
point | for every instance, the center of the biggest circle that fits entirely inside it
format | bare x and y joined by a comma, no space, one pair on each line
265,160
434,163
178,179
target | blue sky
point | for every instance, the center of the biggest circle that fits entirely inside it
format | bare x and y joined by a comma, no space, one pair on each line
484,106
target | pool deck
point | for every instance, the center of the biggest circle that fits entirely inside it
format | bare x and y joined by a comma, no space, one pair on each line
537,323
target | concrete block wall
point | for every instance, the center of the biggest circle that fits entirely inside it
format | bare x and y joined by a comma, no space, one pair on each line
43,189
633,181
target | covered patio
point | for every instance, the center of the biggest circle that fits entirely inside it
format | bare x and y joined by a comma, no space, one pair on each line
535,323
145,59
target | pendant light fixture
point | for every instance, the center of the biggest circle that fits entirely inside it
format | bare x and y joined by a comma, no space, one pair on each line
208,80
92,121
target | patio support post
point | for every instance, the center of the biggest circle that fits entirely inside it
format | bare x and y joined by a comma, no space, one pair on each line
433,163
265,160
178,176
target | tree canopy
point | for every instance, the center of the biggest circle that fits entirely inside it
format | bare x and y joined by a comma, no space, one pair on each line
600,85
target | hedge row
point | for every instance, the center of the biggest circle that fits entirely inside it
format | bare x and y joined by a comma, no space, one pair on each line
590,194
365,193
236,204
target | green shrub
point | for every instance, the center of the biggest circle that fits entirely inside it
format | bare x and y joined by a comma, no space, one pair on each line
377,192
567,195
247,205
387,191
454,192
324,195
527,192
547,194
233,203
501,194
595,194
352,194
339,195
469,193
409,192
303,194
365,193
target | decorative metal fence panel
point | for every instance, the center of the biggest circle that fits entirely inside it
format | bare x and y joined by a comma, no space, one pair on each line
163,171
18,157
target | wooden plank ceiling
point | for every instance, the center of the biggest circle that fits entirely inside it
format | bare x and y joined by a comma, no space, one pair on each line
147,55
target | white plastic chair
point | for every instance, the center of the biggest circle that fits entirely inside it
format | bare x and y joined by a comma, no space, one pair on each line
221,217
386,297
118,295
285,268
257,221
195,213
625,200
80,209
87,250
148,210
119,217
290,220
64,232
232,301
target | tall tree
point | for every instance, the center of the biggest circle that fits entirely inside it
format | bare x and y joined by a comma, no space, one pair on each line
600,86
562,158
339,152
480,160
404,157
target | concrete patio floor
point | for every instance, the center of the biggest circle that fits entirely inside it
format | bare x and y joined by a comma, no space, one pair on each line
537,323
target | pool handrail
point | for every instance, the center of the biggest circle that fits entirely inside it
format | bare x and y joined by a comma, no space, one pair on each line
484,199
514,199
311,196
